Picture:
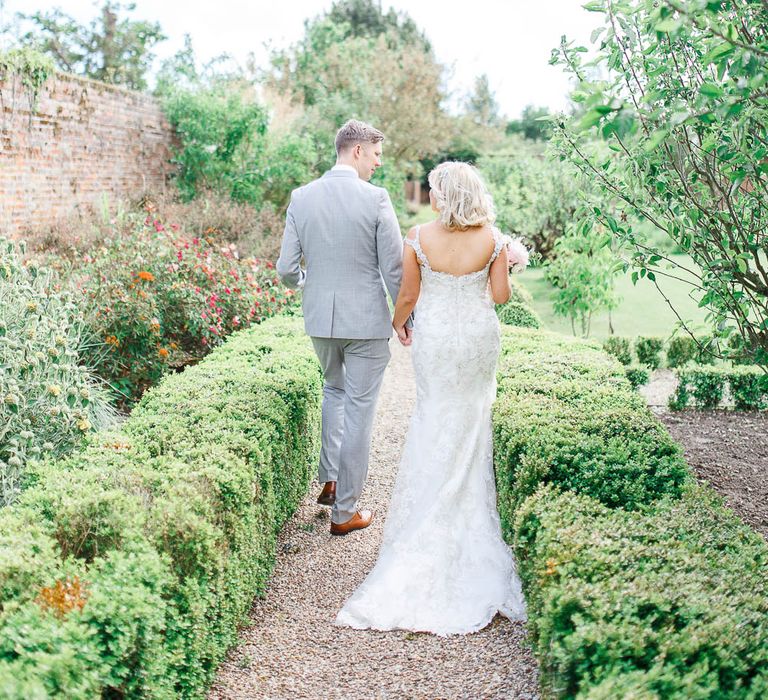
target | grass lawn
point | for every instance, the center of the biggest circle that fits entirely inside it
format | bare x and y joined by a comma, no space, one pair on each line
641,311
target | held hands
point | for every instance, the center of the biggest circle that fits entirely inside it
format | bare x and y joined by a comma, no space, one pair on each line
404,334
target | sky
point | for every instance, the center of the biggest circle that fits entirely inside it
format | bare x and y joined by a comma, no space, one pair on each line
509,40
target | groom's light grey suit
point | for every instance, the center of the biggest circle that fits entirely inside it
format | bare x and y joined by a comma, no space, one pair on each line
347,232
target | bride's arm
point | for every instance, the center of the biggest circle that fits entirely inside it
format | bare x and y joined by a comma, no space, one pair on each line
409,291
499,278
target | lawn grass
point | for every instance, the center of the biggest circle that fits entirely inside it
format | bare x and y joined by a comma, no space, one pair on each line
641,311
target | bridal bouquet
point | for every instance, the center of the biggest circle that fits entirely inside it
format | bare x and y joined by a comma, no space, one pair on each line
517,254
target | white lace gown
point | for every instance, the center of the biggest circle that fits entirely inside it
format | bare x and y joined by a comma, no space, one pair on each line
443,566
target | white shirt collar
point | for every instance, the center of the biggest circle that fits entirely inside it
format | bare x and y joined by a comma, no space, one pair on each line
342,166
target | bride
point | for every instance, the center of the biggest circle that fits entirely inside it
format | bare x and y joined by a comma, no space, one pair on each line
443,566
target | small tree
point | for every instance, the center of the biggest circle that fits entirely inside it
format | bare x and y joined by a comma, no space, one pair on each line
583,273
534,124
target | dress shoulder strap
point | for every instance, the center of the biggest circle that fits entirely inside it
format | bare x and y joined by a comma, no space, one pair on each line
498,242
416,245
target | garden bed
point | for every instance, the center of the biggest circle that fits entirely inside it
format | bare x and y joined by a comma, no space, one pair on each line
723,447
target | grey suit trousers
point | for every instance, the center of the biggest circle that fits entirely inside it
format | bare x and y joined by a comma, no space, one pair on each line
353,371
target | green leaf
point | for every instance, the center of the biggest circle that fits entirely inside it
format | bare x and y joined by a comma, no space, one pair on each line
590,119
717,52
594,6
655,140
711,90
668,25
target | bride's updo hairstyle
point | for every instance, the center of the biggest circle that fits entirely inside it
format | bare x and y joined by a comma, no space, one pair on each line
461,197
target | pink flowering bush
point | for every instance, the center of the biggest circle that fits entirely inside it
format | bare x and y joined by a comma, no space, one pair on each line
160,299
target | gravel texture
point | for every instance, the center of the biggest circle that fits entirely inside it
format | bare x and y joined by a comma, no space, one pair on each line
727,449
290,649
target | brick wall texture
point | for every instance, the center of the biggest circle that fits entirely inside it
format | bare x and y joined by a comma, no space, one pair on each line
83,140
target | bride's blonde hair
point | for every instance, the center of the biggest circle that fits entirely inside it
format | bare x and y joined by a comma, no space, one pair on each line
461,197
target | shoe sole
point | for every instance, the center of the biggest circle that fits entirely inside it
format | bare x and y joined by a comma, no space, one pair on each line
346,532
326,501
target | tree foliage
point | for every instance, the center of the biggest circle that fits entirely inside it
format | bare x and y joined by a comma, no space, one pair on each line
683,105
112,48
583,273
533,124
482,106
372,70
535,197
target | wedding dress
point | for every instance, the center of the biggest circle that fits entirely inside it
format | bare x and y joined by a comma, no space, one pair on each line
443,566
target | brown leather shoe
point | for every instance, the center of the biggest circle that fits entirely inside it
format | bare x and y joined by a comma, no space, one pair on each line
327,496
358,521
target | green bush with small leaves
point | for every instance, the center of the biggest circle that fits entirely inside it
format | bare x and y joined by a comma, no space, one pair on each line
515,314
566,415
681,350
620,347
669,602
705,387
639,583
648,350
126,569
637,375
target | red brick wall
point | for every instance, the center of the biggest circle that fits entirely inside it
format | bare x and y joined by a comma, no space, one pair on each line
84,139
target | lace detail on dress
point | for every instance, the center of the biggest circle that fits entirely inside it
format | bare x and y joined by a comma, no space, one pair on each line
443,566
416,245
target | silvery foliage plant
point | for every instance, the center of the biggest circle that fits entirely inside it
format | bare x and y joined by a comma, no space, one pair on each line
48,400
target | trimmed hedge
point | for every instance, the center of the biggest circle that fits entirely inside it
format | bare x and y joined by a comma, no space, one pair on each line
706,385
620,347
515,314
566,415
639,582
637,375
167,527
668,604
648,350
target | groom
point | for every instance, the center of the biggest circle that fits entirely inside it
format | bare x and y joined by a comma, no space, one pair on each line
347,232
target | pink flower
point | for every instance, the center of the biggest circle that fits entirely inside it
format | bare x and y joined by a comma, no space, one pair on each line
179,255
517,254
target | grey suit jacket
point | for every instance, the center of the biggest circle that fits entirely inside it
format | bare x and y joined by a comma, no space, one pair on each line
347,232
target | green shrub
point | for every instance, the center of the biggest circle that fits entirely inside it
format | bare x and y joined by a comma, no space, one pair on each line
671,600
705,385
48,400
515,314
170,525
648,351
566,415
637,375
620,348
749,388
681,350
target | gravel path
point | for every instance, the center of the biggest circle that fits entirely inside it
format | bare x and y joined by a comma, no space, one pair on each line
290,649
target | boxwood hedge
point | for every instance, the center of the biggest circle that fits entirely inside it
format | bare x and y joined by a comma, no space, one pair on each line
126,569
640,583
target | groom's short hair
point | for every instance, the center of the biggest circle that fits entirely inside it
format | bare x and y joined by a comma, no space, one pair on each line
354,132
